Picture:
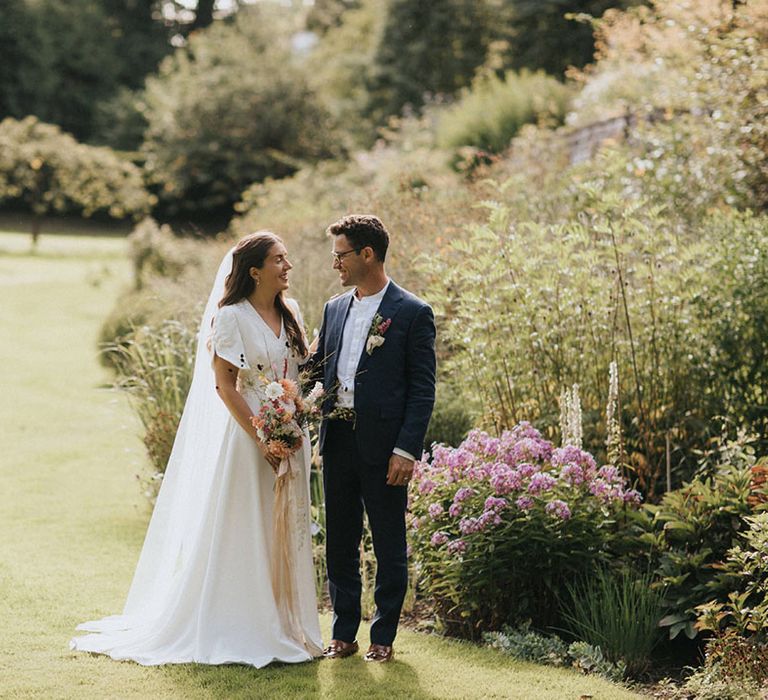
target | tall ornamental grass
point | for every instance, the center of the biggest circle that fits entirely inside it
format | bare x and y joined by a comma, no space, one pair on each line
155,367
618,612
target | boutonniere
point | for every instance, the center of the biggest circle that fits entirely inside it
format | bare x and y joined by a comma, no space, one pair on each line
376,333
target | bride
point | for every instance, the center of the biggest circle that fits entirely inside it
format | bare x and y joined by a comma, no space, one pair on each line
225,574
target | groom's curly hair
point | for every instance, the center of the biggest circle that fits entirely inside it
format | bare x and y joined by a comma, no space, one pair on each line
363,230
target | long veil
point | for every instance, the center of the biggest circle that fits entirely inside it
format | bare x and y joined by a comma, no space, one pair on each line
177,518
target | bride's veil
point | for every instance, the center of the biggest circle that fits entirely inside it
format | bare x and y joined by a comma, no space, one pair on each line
179,513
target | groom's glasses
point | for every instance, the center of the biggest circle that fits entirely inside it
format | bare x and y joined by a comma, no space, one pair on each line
338,257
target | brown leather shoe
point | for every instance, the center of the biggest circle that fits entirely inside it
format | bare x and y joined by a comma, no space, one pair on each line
340,650
379,653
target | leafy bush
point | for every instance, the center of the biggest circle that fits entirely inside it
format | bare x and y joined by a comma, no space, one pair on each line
46,171
492,112
526,645
705,69
526,308
619,613
156,252
745,573
230,109
498,525
451,420
691,531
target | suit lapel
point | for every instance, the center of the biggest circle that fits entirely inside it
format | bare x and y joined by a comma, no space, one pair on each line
343,306
387,309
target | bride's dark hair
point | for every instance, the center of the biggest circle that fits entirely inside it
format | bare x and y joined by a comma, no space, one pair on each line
250,252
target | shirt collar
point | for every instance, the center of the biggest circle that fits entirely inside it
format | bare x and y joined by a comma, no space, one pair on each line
374,298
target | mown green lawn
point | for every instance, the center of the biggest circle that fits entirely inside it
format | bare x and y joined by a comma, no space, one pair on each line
72,520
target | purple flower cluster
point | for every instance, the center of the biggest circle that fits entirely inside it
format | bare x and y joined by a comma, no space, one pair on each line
541,482
558,508
475,487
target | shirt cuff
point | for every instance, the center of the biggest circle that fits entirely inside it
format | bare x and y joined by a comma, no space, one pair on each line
403,453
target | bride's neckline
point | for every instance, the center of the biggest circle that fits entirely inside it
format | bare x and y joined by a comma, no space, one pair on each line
276,336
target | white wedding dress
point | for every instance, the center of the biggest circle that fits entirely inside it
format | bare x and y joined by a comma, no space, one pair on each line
203,588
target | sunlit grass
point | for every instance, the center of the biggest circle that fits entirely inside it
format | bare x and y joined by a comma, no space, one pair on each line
72,519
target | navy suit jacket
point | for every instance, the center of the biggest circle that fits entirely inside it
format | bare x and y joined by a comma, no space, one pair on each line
394,385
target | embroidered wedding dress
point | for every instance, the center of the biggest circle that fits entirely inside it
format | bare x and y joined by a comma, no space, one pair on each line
225,574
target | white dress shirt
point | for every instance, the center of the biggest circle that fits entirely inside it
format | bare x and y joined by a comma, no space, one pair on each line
354,338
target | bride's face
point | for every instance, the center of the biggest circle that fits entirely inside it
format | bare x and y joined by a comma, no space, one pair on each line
273,275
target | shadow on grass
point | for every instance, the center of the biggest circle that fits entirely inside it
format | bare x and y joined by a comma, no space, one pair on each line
351,677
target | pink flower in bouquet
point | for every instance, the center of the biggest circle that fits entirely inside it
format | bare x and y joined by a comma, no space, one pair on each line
280,449
290,389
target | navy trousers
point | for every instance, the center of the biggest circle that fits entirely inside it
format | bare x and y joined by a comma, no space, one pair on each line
352,485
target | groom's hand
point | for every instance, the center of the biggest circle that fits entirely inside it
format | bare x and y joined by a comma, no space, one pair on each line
400,471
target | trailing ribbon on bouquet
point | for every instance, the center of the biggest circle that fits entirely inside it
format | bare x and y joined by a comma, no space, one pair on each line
283,566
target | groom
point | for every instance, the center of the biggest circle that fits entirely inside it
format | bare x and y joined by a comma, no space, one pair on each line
376,353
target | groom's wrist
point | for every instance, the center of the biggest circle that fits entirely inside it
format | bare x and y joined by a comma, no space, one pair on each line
403,453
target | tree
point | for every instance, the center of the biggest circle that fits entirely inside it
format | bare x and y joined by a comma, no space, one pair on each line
59,61
540,34
230,109
424,47
47,171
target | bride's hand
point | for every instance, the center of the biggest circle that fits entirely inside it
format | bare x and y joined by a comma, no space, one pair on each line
313,345
273,461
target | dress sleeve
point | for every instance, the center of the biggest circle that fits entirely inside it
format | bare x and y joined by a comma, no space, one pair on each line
226,340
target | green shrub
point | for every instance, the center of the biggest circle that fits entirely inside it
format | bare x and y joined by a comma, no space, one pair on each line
499,525
619,613
744,575
526,308
451,419
526,645
156,252
231,108
492,112
46,171
691,531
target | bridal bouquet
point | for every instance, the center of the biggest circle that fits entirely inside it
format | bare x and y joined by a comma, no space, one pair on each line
282,417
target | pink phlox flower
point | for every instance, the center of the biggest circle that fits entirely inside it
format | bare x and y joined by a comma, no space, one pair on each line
558,508
495,504
468,525
454,510
489,517
435,510
530,450
541,482
524,430
477,473
605,491
526,470
463,494
611,474
572,474
457,547
632,496
504,479
426,487
573,455
524,503
438,538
